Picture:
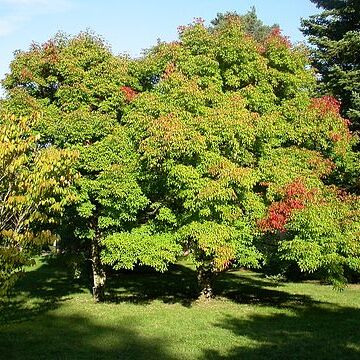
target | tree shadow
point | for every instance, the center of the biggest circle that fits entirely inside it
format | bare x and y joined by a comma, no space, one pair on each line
47,286
256,289
306,332
40,290
143,285
179,285
78,337
288,326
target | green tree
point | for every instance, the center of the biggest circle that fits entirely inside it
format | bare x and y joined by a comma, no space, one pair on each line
324,237
226,127
34,189
335,36
81,89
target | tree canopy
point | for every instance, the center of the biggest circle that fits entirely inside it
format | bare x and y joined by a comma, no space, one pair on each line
81,88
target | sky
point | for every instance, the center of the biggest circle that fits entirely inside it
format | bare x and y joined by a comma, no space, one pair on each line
132,25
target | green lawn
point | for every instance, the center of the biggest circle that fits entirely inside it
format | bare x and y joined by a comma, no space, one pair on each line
153,316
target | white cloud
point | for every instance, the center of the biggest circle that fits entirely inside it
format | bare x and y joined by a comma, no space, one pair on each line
18,12
10,23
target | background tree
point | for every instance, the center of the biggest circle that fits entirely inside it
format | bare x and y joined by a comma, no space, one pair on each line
335,36
34,189
252,25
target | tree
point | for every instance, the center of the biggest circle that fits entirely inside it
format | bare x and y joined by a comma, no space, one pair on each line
335,36
82,88
252,25
35,186
226,128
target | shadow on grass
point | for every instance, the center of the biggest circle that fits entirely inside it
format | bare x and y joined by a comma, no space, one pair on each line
40,290
311,332
142,286
52,283
78,337
256,289
179,285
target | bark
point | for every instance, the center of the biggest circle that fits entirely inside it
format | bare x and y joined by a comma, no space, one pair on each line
99,275
205,280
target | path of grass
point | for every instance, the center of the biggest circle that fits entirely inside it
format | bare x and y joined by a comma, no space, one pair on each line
152,316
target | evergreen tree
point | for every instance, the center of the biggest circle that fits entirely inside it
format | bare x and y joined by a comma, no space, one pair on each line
335,36
251,23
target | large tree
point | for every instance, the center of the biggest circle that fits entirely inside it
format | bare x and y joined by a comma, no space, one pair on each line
335,36
226,126
81,89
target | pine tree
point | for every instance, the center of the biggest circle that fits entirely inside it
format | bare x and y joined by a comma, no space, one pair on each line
335,36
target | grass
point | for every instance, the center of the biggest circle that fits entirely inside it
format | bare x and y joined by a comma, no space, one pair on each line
154,316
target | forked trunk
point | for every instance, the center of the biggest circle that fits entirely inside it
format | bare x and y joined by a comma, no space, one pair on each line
99,275
205,281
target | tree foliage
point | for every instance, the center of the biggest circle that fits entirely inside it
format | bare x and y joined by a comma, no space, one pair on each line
81,88
252,25
34,189
325,236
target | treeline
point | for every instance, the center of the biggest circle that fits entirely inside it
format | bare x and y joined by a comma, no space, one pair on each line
217,146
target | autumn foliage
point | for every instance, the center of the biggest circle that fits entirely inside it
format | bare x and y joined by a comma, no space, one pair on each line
295,197
326,104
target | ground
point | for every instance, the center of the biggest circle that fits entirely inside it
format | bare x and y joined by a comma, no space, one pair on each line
154,316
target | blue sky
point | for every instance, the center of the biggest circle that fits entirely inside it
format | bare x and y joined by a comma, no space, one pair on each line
129,26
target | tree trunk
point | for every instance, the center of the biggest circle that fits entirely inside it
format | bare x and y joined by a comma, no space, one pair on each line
56,247
99,276
205,279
